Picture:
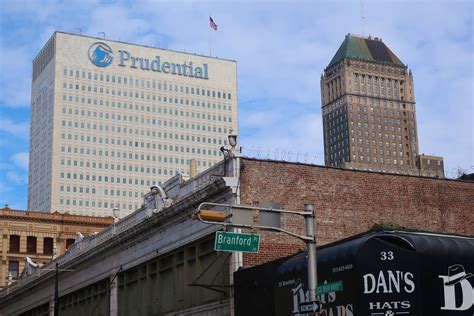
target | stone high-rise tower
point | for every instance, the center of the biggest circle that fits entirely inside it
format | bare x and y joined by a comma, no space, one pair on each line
369,110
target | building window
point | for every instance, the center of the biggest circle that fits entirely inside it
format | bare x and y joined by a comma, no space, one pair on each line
48,246
14,243
13,267
30,244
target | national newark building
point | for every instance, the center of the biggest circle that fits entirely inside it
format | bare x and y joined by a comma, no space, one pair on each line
109,119
369,111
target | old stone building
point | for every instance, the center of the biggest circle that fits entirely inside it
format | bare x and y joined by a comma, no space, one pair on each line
37,234
369,111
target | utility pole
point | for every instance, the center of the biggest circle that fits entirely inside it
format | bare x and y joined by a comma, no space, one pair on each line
56,278
56,291
215,217
311,245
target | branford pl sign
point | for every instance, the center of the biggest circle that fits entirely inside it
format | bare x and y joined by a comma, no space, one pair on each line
101,55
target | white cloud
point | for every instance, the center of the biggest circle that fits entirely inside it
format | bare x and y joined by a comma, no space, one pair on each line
17,178
260,119
20,160
12,193
15,65
117,22
281,48
20,129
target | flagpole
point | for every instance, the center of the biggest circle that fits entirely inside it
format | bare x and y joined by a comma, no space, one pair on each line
210,37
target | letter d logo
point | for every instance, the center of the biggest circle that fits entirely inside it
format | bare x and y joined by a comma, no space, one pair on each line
457,277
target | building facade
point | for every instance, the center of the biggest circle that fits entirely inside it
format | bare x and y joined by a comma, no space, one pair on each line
164,263
369,110
36,234
109,119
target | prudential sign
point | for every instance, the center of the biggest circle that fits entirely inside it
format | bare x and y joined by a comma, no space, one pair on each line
101,55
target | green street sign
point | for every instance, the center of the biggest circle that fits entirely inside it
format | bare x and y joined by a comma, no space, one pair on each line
237,242
329,287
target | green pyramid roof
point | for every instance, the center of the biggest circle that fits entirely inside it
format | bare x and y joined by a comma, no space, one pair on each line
372,50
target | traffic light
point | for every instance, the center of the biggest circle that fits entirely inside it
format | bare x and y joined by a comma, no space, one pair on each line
210,216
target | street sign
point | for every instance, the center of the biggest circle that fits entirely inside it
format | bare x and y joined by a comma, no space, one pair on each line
237,242
329,287
310,307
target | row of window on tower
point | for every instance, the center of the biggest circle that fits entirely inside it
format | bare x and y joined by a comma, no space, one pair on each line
136,119
144,83
99,207
378,86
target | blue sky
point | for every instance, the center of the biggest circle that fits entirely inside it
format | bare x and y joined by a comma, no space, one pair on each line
281,48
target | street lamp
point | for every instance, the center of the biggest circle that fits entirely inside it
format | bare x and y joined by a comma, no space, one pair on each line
55,251
116,214
56,290
56,286
210,216
56,279
232,140
10,278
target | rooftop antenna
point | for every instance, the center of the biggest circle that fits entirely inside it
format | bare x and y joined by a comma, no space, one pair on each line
79,29
362,17
103,34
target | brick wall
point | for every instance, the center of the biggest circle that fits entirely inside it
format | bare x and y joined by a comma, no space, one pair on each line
348,202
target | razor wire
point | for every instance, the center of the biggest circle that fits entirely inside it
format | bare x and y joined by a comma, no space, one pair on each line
282,155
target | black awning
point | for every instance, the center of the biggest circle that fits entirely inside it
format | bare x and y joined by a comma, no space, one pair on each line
424,243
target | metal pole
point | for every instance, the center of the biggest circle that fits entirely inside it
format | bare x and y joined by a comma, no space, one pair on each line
312,275
210,36
56,292
236,258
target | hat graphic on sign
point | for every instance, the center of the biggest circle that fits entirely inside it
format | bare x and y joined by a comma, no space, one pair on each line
456,274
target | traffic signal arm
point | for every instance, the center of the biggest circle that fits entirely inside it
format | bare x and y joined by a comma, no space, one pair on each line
210,216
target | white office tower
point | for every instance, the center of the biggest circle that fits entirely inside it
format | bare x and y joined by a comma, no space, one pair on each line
109,119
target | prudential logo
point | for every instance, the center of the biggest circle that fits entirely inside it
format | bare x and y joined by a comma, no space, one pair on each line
100,54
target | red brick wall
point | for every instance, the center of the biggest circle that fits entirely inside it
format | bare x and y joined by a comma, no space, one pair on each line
348,202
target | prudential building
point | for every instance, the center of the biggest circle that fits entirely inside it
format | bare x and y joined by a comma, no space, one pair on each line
109,119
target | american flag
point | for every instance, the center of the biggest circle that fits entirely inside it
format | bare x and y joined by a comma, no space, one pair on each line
212,24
